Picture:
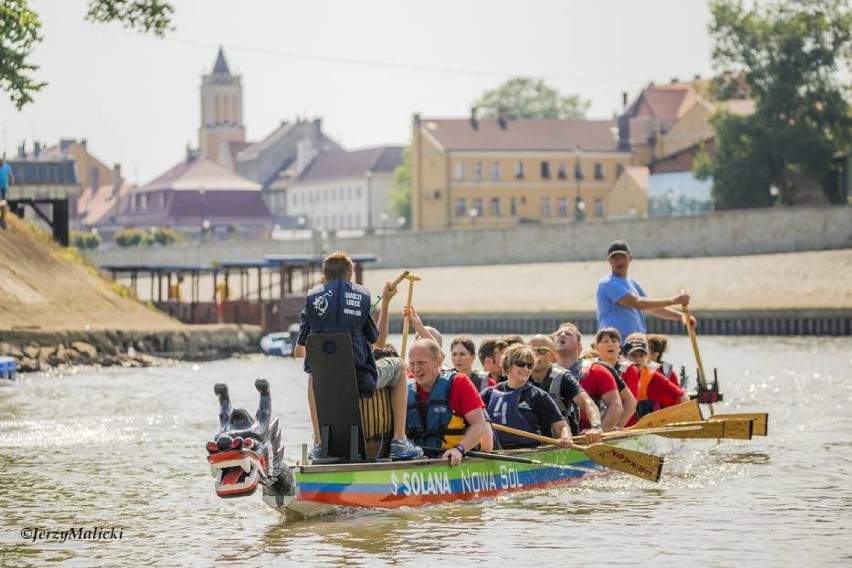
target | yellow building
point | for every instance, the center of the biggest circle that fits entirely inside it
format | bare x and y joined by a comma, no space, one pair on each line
500,172
629,195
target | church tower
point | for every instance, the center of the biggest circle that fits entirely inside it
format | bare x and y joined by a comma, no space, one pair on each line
221,109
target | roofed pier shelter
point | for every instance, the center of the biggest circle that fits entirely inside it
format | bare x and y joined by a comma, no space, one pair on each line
269,293
49,187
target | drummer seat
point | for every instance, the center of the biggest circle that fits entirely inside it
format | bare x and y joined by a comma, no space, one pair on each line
351,428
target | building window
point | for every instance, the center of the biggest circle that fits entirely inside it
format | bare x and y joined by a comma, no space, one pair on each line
545,207
477,171
358,194
495,207
163,201
461,207
599,171
459,170
519,169
562,207
545,170
599,207
495,170
477,207
513,207
578,170
619,169
563,170
143,202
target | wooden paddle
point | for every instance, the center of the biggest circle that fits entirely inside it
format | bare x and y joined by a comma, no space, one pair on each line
702,429
683,412
405,322
636,463
702,378
759,420
513,459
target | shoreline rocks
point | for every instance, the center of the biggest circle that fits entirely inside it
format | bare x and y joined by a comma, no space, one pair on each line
42,350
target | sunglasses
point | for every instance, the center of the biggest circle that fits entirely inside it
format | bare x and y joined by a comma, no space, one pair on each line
523,365
543,350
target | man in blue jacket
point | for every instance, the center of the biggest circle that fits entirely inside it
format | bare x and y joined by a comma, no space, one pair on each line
339,305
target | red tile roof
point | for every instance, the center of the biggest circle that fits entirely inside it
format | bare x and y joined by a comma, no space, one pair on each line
197,174
522,134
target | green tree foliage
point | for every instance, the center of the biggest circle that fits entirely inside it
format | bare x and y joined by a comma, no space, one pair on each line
796,56
400,196
84,240
20,33
525,97
133,238
165,236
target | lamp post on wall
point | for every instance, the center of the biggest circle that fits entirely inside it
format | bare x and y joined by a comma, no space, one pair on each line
579,204
473,213
670,198
384,217
369,176
774,192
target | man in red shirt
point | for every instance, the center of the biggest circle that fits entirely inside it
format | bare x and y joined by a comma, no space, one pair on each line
595,379
432,393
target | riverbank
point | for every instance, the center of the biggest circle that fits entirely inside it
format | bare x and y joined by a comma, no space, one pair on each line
56,310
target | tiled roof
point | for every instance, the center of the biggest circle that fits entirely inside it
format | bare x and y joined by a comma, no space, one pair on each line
197,174
95,207
523,134
342,164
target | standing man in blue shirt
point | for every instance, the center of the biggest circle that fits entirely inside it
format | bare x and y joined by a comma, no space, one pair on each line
622,301
6,177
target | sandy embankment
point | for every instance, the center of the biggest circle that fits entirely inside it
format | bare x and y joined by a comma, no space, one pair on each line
794,281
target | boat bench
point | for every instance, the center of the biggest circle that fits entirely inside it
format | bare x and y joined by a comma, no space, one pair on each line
351,428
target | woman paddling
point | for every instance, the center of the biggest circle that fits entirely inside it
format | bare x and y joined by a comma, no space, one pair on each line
519,404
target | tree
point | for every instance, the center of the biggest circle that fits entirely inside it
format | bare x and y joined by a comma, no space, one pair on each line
795,55
20,34
525,97
400,196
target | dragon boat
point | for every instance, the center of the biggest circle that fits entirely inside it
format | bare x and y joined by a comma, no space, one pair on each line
248,453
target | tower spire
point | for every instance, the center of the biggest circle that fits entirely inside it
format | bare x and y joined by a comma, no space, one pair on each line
221,65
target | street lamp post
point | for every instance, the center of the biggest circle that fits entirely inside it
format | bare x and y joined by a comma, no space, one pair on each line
579,204
384,217
774,192
473,213
369,175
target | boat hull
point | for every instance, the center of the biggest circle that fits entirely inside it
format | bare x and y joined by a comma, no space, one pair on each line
321,488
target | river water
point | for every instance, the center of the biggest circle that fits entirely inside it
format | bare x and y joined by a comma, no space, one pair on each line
120,453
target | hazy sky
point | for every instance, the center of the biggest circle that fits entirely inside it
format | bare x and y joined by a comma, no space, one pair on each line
364,67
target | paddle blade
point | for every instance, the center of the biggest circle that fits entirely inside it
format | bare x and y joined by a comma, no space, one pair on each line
692,430
735,428
683,412
759,420
646,466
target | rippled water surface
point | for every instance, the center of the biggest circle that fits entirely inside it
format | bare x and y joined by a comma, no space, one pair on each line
124,449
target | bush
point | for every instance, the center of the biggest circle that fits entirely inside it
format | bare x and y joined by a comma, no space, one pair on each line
132,238
84,240
165,236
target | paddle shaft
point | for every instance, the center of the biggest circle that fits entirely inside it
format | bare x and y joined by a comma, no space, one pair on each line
512,459
702,378
405,321
402,276
636,463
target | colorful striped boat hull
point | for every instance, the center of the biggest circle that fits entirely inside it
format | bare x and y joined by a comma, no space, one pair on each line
321,488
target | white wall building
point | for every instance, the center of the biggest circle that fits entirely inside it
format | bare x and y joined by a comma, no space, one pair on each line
346,190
